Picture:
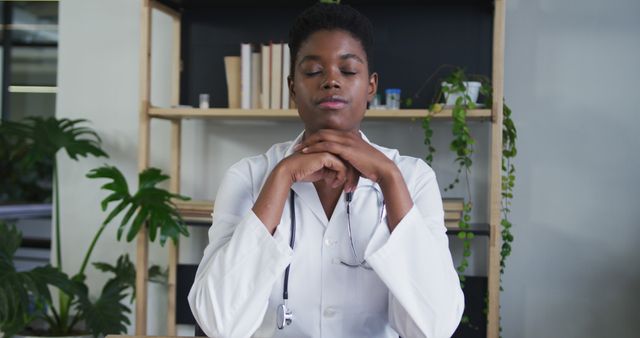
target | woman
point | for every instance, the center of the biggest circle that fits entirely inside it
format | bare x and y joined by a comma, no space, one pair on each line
345,236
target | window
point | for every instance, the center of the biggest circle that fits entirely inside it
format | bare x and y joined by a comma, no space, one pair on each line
29,58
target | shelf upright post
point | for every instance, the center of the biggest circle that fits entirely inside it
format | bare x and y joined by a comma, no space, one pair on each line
493,325
176,138
142,248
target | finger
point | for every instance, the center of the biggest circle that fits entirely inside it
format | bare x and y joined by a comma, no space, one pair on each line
352,179
338,179
327,146
348,182
336,165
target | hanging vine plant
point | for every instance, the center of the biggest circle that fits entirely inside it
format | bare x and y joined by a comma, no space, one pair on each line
509,151
462,146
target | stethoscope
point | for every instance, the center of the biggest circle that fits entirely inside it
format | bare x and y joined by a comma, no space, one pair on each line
284,316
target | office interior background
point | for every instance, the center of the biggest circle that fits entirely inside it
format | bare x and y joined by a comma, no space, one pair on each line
570,69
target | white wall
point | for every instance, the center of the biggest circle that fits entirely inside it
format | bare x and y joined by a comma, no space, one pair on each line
571,79
568,77
98,80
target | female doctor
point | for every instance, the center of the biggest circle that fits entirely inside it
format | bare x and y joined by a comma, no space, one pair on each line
329,235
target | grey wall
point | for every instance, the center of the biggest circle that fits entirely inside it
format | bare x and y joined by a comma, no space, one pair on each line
569,73
571,79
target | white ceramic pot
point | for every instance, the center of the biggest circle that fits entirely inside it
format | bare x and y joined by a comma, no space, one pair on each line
472,89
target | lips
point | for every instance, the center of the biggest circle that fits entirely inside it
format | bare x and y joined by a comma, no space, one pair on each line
332,102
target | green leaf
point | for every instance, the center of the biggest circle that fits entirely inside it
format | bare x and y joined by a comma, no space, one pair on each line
158,275
49,135
124,273
17,288
10,239
107,315
116,211
149,204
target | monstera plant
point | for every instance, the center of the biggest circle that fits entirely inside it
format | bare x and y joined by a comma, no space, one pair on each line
25,297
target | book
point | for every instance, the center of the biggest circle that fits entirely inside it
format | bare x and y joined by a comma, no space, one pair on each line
452,215
285,74
453,204
265,79
194,205
197,220
276,76
451,225
232,71
245,75
255,79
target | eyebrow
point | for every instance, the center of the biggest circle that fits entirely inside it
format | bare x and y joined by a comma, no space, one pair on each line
342,57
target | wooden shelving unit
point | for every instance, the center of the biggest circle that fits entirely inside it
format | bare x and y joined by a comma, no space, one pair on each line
176,115
186,113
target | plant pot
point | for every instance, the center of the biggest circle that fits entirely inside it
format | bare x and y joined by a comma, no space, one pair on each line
472,90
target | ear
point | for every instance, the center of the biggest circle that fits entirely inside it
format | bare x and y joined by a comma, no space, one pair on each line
292,92
373,86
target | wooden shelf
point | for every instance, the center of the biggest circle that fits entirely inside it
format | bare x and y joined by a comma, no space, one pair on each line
186,113
478,229
180,5
192,18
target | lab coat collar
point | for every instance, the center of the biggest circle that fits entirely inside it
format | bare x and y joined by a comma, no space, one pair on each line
307,191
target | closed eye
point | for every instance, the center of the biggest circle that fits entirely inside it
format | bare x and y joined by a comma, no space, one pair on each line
312,73
346,72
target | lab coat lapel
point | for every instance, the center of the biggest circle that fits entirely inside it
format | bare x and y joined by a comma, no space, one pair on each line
307,194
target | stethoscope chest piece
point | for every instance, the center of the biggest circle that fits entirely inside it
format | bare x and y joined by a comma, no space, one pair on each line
284,316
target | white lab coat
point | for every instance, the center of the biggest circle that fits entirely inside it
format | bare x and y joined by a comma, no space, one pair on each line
412,291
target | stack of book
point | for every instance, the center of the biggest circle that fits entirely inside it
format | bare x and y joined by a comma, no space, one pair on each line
195,211
453,208
257,79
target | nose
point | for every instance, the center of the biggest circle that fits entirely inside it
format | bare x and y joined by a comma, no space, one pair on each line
332,80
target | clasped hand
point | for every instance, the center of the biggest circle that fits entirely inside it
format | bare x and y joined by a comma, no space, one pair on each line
337,157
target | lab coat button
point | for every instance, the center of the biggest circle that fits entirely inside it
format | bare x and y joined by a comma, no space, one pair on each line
330,242
329,312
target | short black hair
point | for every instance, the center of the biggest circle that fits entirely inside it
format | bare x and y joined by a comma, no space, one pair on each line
324,16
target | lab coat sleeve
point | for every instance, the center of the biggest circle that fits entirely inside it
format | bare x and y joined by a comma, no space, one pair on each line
241,263
425,298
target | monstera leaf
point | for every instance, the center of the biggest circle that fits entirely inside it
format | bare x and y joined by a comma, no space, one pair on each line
21,181
18,289
150,204
48,135
124,272
106,315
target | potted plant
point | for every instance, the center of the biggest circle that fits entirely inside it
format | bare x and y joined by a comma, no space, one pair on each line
25,296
